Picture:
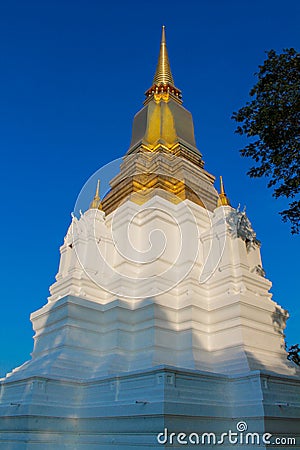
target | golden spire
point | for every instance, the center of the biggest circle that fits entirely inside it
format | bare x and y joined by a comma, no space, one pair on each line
163,74
96,202
223,200
163,82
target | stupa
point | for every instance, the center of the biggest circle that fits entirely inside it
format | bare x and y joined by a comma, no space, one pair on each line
160,330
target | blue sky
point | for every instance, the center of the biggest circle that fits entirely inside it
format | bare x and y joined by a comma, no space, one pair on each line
72,76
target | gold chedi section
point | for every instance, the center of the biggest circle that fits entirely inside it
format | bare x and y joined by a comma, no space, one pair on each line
162,158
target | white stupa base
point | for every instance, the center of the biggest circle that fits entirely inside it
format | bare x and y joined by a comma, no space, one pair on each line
112,371
130,410
79,339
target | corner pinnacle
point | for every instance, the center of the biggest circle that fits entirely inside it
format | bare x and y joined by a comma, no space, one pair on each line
96,202
223,200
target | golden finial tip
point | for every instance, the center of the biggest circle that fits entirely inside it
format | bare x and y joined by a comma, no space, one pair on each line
163,35
98,188
222,191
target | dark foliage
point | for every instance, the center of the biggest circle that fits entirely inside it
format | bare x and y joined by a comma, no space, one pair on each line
294,354
272,120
